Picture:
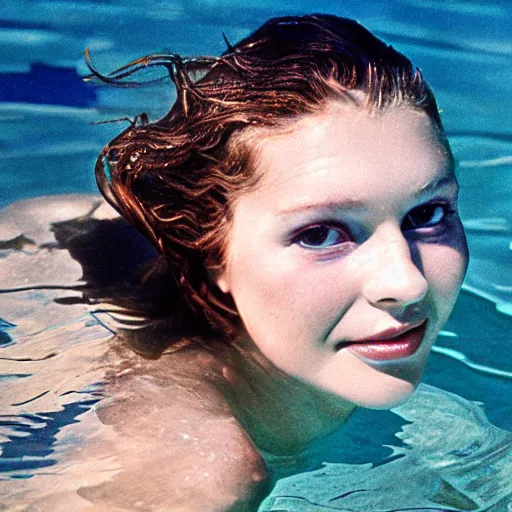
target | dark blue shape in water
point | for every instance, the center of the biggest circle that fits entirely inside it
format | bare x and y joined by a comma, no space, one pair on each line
5,339
4,324
49,85
38,444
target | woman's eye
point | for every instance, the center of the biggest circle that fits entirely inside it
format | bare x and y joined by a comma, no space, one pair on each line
321,237
425,216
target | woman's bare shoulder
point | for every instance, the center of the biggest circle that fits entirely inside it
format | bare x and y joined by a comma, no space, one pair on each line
177,439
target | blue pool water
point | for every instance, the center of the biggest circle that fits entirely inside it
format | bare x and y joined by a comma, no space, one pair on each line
48,145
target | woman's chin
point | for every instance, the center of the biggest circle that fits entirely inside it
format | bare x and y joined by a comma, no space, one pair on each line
368,384
384,392
387,395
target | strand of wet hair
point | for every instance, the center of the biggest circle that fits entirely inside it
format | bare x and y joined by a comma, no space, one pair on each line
168,61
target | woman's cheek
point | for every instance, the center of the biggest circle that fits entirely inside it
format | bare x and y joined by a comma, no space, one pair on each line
445,268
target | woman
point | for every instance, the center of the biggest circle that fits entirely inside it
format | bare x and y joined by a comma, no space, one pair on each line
304,197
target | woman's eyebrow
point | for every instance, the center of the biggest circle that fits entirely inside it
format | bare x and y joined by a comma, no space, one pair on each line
345,204
431,186
357,204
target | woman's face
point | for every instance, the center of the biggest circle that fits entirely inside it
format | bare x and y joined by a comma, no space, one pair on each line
347,259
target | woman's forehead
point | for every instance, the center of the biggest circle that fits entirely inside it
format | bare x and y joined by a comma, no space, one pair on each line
350,151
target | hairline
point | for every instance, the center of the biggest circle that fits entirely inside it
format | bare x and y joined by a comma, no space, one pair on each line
253,137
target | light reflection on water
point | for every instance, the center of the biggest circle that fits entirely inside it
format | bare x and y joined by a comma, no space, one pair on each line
53,352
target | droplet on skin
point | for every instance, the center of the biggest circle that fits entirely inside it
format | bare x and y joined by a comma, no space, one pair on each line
257,476
228,374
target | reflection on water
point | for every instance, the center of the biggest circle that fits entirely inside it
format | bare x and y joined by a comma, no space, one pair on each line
452,459
32,436
55,355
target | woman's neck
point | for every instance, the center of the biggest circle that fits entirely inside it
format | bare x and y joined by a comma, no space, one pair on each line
281,413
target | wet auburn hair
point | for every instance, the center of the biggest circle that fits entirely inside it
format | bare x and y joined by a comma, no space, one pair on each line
175,179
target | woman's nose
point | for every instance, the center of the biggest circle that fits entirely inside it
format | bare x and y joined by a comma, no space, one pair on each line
394,281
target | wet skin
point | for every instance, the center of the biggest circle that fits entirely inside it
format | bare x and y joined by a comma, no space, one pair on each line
353,230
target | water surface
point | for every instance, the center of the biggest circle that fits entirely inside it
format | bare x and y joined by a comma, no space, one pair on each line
54,352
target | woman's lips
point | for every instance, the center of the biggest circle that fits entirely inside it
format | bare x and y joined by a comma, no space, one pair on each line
404,345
